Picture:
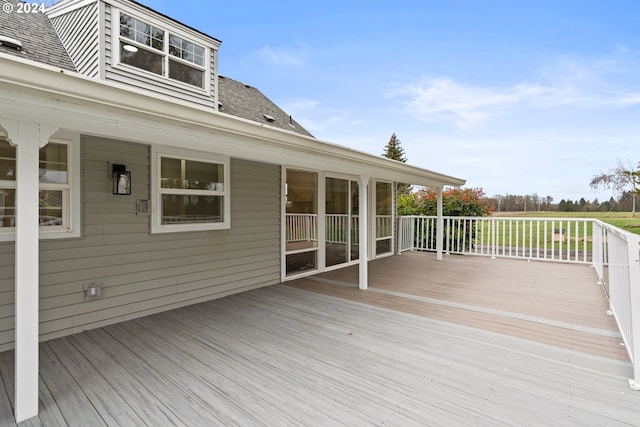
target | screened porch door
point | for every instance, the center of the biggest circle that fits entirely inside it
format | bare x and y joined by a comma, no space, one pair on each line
341,221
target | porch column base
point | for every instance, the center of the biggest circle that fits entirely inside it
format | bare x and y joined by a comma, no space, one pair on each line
634,385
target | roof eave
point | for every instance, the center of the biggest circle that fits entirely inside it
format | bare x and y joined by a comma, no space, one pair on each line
76,94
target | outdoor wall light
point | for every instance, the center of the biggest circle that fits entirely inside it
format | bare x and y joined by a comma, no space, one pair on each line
121,179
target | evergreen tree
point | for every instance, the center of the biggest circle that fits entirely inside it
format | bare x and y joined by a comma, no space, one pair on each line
394,151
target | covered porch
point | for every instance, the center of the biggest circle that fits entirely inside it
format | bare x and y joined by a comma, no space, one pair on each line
468,340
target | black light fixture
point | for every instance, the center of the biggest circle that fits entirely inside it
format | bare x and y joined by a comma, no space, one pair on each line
121,179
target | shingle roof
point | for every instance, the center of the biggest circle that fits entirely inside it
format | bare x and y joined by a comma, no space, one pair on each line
41,43
39,40
245,101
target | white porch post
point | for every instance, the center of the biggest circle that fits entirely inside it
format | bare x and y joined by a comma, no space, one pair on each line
439,226
363,273
28,138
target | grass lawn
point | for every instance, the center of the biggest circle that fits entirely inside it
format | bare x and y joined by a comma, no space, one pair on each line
619,219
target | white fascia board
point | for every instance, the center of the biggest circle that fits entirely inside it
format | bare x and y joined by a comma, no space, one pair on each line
63,7
29,90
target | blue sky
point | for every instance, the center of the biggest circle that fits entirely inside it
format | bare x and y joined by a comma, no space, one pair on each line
517,97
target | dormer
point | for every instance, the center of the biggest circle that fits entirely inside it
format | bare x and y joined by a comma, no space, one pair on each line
126,42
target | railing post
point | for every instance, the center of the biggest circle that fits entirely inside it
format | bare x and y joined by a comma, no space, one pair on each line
439,226
413,233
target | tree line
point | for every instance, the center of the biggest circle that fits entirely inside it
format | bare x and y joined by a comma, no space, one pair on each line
535,203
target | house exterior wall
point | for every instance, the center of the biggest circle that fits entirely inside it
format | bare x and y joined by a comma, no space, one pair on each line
79,32
138,80
89,33
143,273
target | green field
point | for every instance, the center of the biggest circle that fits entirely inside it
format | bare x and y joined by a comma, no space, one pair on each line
619,219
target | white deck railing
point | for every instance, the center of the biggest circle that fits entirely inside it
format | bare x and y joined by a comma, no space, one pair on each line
301,227
304,227
553,239
614,253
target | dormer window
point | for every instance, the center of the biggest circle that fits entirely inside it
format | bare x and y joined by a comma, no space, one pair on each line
153,49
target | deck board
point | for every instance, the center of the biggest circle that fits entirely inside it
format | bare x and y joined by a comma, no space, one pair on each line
298,354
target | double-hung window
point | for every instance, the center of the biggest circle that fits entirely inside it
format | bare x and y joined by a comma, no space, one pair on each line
191,193
58,196
161,52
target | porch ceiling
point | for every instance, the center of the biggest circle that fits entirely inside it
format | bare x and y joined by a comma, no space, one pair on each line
43,94
287,356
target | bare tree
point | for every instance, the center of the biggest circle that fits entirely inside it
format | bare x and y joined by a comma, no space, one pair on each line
619,179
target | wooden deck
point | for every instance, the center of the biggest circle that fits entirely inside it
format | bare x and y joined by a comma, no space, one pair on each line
554,303
295,355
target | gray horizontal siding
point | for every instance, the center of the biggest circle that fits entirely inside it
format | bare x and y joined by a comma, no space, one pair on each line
143,273
122,75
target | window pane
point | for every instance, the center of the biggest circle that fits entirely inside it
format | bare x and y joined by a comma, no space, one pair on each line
301,218
297,263
191,175
7,161
143,59
198,55
186,50
143,33
50,208
186,74
127,26
187,209
53,163
384,225
355,221
301,192
7,207
383,198
204,176
383,246
337,221
171,173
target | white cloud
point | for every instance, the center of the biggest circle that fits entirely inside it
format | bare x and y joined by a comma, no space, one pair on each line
579,83
438,99
301,104
314,116
288,57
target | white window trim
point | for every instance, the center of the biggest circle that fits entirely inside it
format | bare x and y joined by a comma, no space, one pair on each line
71,197
157,152
164,79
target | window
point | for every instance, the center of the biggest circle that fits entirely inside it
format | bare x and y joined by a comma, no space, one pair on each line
58,197
152,49
301,221
384,218
192,193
